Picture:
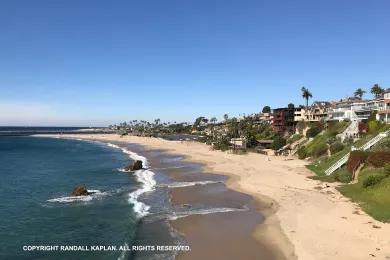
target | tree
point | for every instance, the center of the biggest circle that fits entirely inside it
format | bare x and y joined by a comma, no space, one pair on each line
377,91
250,137
291,106
213,120
359,93
198,120
306,95
226,117
266,109
278,142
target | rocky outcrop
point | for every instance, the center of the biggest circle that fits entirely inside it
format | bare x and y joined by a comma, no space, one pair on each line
137,165
80,190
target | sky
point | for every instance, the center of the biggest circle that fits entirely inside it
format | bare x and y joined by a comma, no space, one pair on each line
94,63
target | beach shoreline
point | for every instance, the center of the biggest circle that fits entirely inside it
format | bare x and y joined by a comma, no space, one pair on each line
305,219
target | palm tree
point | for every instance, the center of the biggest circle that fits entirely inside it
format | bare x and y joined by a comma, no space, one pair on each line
377,91
266,109
306,95
359,93
226,117
213,120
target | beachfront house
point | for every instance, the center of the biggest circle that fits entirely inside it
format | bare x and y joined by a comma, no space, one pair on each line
384,111
283,119
264,117
353,109
316,112
238,143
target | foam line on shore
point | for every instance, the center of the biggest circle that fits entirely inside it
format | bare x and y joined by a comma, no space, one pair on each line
183,214
144,176
192,183
131,154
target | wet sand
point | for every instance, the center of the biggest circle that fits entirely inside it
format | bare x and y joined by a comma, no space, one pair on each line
212,235
225,235
221,235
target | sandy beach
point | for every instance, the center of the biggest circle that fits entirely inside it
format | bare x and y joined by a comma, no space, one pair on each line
305,219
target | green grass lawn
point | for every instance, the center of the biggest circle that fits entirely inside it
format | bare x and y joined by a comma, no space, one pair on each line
375,200
322,139
320,165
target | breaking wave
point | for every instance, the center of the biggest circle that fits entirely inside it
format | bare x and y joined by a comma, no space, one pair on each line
68,199
145,177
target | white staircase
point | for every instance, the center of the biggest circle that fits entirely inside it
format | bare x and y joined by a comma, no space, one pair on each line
364,147
295,146
352,130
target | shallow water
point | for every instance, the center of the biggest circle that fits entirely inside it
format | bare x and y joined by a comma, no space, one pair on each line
132,209
37,175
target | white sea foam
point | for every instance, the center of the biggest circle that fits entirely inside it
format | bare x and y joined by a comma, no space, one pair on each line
132,155
183,214
148,184
188,184
68,199
122,256
145,177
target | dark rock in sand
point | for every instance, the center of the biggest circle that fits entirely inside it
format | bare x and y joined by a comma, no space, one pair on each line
137,165
80,190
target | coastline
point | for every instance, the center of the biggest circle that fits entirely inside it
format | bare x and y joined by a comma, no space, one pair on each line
304,219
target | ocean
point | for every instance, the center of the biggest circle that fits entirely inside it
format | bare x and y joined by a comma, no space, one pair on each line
37,175
171,202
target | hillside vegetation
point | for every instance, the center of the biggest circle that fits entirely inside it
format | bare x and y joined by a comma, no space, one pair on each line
371,190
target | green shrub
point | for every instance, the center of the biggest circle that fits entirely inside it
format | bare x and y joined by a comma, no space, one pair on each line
343,176
302,153
386,169
335,128
373,126
319,149
278,142
378,159
336,147
313,131
221,143
251,139
294,138
372,180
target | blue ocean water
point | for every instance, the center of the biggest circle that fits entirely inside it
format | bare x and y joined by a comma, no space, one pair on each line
37,175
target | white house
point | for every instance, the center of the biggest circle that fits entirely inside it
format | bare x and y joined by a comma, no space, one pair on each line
352,109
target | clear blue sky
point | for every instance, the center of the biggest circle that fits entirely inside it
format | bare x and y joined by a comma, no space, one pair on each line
90,62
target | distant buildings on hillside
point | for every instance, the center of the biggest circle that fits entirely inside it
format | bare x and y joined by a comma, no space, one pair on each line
349,109
384,111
